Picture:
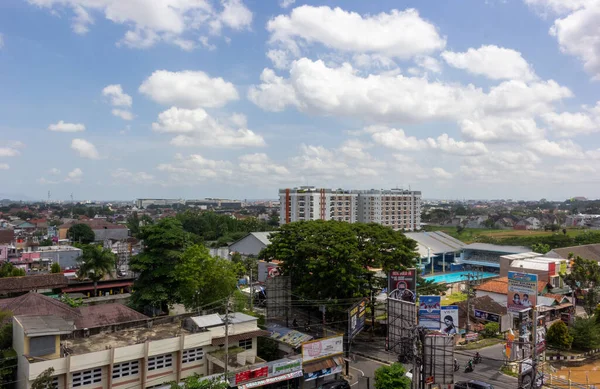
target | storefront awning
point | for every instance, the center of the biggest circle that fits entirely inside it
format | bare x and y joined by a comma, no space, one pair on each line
272,380
323,364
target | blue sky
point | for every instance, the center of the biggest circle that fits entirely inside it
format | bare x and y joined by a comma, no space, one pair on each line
118,99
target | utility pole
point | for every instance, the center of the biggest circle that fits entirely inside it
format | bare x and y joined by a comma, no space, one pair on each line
251,291
468,304
534,356
226,337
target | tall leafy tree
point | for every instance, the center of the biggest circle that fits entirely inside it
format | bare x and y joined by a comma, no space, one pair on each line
202,279
9,270
133,223
331,259
558,336
164,245
585,333
81,233
585,277
95,263
44,380
392,377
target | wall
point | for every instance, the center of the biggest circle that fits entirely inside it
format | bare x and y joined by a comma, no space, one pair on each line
111,233
66,258
247,246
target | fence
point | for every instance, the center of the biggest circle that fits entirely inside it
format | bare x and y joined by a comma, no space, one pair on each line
553,381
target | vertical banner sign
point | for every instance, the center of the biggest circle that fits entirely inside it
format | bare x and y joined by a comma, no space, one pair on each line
429,312
510,340
405,282
522,291
449,322
356,318
540,341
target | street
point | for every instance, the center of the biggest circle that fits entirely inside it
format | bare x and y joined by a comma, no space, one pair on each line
369,355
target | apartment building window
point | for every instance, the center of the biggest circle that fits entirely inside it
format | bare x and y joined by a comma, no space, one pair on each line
195,354
160,361
54,383
246,344
126,369
87,377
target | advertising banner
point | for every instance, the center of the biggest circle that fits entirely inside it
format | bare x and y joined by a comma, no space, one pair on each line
540,340
356,318
405,282
430,312
510,340
483,315
322,348
563,267
522,291
251,374
322,373
286,367
449,322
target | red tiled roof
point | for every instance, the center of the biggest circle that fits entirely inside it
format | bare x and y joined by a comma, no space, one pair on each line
7,236
500,286
37,304
95,224
106,314
29,283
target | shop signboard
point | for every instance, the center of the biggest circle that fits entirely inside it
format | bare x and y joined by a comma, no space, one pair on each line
253,374
356,318
522,291
405,282
272,380
449,322
286,367
322,348
486,316
429,312
471,336
322,373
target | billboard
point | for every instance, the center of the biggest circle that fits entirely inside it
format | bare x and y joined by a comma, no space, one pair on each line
430,311
279,298
449,322
322,348
510,340
438,358
356,318
406,283
522,291
402,317
540,339
483,315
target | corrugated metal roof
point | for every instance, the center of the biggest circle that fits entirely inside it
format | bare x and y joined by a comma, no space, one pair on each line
45,325
497,248
208,320
263,237
438,242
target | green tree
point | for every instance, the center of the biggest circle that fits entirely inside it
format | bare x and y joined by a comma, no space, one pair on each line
81,233
585,333
490,330
331,259
541,248
55,268
46,242
164,245
133,223
9,270
558,336
202,279
268,349
585,276
95,263
44,380
427,287
197,382
392,377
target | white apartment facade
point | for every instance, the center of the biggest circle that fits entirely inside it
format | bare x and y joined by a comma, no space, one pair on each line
137,358
396,208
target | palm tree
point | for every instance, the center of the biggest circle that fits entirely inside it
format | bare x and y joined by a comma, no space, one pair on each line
95,263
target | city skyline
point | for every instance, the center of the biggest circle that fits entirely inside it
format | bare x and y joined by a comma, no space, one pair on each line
238,98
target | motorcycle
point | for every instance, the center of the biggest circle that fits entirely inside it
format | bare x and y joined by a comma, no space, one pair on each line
477,359
456,366
468,369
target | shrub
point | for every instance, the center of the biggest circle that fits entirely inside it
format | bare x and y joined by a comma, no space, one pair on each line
490,330
558,336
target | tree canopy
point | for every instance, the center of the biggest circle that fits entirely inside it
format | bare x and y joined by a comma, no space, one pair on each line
9,270
81,233
585,277
558,336
585,333
392,377
203,280
331,259
95,263
197,382
164,245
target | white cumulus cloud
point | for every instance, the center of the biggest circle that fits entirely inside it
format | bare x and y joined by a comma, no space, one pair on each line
496,63
123,114
75,175
4,166
85,149
62,126
188,89
117,97
195,127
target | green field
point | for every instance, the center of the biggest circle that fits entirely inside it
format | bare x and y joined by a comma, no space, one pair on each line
469,235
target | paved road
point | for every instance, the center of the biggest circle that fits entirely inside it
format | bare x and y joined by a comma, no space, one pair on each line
488,370
361,369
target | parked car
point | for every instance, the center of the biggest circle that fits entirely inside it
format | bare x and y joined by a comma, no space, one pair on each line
472,384
337,384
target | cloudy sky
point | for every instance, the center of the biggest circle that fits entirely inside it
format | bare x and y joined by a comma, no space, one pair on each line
118,99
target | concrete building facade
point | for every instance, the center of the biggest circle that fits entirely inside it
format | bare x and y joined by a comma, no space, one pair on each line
396,208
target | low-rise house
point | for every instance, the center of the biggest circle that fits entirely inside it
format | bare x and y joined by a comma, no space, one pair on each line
136,357
504,223
103,230
497,289
587,251
251,244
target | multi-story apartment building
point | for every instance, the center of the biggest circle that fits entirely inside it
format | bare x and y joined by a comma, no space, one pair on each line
146,355
396,208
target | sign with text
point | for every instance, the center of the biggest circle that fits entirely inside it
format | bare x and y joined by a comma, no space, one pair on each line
356,318
286,367
322,348
483,315
430,311
522,291
540,338
472,336
405,282
449,324
252,374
